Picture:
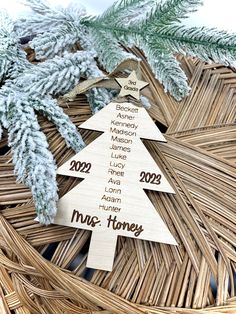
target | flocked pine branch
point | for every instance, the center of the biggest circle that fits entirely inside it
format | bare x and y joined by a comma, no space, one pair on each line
125,12
171,11
50,109
57,31
210,45
161,34
156,26
12,57
52,17
56,76
33,161
24,93
49,44
108,49
168,71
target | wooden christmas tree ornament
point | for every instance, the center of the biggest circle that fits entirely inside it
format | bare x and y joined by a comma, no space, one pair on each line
116,169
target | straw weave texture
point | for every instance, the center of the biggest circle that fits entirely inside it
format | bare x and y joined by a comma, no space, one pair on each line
42,269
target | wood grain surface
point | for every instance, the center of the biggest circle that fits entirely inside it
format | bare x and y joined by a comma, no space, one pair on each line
116,168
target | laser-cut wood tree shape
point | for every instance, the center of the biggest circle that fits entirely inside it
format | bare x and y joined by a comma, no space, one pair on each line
116,168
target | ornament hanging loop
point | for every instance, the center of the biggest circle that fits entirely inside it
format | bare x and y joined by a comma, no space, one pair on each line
108,82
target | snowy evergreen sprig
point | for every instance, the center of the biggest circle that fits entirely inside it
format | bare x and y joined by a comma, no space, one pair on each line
172,11
56,76
125,12
12,57
50,109
34,164
110,53
52,17
51,43
25,92
58,30
161,37
152,25
210,45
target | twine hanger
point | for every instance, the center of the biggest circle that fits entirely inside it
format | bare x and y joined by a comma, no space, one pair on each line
108,82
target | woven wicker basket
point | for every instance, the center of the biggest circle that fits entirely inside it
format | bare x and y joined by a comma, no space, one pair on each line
42,269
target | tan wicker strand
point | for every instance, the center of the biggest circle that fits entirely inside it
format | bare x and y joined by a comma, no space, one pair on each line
191,278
